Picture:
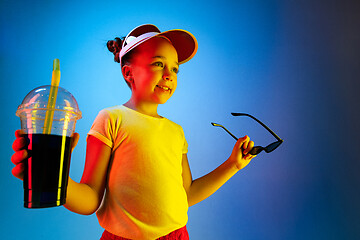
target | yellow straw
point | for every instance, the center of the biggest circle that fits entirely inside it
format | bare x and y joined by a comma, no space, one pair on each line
55,80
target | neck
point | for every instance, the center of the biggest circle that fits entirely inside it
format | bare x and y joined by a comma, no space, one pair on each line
149,109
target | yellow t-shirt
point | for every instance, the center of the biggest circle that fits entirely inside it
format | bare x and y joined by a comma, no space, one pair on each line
145,197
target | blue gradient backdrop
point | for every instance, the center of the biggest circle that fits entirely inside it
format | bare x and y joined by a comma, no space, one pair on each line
293,64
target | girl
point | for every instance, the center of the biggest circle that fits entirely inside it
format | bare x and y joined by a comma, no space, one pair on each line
137,177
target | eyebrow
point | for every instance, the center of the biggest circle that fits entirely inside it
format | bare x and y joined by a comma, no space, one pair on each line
162,57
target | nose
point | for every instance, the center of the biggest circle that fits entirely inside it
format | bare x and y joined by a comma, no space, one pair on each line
167,75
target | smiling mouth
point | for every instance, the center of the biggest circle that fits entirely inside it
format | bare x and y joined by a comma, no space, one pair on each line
164,88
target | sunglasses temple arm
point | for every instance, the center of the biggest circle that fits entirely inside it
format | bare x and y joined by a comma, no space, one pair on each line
262,124
218,125
253,151
231,134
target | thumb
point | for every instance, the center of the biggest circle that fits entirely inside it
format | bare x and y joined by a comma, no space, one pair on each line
75,139
242,141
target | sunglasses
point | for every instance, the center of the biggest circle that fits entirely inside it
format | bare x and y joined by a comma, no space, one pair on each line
255,150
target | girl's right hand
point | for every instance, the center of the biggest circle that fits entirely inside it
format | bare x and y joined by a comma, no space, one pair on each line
21,154
19,146
240,155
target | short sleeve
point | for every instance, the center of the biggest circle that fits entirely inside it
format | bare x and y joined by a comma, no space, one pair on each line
102,129
185,146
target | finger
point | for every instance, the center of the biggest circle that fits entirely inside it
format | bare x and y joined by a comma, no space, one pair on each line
245,145
19,143
249,156
75,139
242,141
19,156
248,148
19,133
18,171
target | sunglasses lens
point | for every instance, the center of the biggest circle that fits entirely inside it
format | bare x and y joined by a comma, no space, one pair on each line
272,146
256,150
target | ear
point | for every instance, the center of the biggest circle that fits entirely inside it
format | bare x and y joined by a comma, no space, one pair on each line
127,73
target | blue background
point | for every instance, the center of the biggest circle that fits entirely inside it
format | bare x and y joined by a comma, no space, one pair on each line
293,64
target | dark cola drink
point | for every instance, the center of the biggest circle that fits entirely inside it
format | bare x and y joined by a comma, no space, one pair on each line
46,170
48,116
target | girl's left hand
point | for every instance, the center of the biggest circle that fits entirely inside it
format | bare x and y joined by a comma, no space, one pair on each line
240,155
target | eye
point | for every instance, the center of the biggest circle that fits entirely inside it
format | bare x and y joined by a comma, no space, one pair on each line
175,70
158,64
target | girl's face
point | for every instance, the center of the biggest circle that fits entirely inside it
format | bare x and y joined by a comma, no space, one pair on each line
154,70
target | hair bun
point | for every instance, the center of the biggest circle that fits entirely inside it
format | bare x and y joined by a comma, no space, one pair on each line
115,46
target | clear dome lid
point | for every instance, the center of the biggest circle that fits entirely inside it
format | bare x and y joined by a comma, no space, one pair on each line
38,99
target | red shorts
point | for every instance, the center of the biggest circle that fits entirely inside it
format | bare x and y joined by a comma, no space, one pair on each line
180,234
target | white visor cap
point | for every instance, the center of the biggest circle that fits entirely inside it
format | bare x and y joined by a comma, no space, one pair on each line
183,41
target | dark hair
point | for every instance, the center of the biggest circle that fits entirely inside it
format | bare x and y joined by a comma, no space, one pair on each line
115,46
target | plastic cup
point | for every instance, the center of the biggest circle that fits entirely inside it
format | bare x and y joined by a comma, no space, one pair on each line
47,168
